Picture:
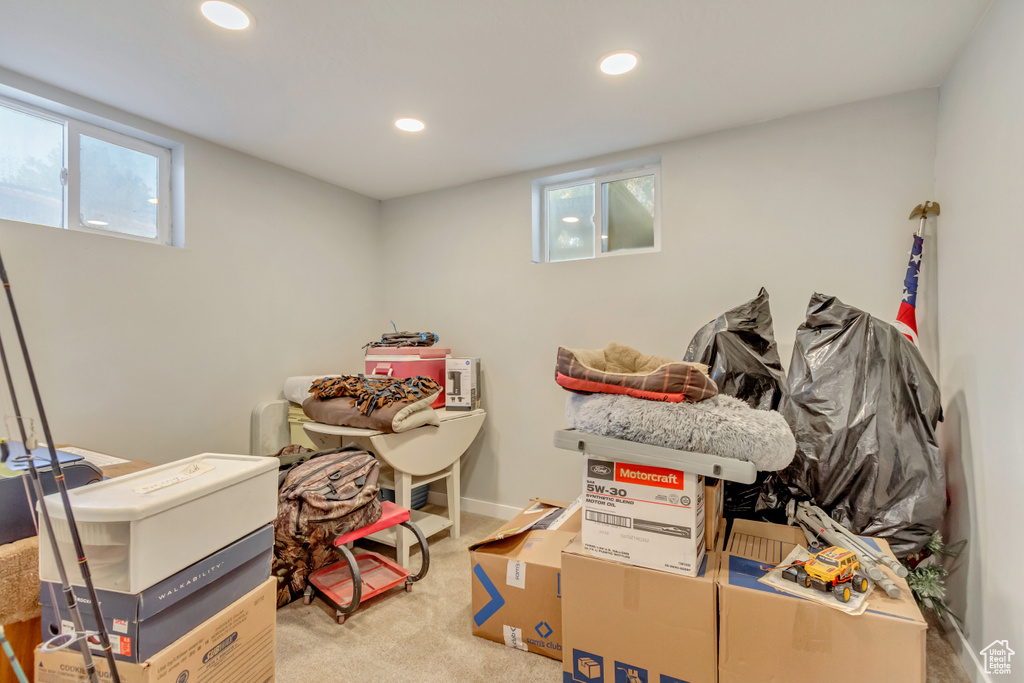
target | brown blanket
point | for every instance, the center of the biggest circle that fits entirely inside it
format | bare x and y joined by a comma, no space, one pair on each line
397,417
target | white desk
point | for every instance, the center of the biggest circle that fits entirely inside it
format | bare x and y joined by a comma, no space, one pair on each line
413,458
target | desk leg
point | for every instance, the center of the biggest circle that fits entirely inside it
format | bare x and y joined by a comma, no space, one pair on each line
403,497
455,496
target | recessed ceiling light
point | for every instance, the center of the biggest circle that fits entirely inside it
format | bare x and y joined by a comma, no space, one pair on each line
226,15
619,63
411,125
100,223
570,219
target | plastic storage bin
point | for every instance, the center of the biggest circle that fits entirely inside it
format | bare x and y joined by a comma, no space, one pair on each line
419,495
141,528
409,361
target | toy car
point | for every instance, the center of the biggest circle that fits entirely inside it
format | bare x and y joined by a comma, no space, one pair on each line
833,569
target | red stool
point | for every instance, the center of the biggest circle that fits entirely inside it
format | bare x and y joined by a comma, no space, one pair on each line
345,584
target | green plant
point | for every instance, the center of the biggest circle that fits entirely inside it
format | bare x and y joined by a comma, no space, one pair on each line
927,578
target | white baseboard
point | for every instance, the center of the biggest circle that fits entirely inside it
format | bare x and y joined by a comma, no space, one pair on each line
477,507
973,667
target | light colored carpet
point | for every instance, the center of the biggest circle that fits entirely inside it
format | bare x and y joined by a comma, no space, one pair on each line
425,636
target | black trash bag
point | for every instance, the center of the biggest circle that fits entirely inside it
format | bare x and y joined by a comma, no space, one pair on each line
740,351
863,407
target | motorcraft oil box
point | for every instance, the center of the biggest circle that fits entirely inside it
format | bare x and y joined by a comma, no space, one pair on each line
234,646
629,624
410,361
141,624
648,516
517,582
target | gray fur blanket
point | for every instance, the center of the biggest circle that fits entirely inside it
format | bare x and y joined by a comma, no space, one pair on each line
720,425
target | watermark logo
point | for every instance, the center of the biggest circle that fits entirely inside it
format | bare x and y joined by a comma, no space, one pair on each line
997,657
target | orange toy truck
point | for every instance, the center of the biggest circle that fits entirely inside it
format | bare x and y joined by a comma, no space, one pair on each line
833,569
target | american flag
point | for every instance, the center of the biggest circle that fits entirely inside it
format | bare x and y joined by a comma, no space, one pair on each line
906,319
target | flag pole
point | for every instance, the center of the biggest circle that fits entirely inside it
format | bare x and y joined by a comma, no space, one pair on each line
906,318
922,211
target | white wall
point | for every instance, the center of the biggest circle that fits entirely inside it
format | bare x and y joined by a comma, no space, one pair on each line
979,180
158,353
812,202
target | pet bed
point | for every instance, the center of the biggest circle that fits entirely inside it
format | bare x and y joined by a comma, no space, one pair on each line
721,425
618,369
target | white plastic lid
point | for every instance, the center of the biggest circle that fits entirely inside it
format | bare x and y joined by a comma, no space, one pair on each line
146,493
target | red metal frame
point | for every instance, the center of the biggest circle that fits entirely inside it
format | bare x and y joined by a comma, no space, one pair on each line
345,584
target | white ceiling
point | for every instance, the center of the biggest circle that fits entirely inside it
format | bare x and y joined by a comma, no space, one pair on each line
315,85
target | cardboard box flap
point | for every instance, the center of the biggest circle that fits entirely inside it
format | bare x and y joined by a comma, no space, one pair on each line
707,569
543,513
756,547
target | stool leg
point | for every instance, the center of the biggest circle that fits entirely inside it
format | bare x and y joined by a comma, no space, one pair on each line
424,554
357,585
403,496
453,484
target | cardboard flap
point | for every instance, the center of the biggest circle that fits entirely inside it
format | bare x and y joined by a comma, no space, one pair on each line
524,521
755,547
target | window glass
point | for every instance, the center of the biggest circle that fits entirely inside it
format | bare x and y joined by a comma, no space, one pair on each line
31,162
571,222
628,219
119,188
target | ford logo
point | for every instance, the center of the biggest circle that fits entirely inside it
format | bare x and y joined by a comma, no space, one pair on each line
600,469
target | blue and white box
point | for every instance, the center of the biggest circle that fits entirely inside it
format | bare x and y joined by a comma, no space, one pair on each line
142,624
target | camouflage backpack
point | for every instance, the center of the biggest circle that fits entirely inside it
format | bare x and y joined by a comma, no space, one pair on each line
319,499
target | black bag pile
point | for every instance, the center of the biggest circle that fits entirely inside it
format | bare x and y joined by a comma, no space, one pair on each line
740,351
863,407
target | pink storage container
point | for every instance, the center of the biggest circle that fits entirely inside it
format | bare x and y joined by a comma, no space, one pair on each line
409,361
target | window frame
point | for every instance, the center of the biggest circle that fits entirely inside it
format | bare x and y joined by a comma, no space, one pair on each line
71,174
598,177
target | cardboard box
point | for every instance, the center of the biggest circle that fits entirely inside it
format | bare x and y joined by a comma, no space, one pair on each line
767,635
141,624
235,646
714,508
462,384
517,597
648,516
635,625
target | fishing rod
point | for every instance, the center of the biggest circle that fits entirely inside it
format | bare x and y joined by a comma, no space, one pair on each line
19,673
37,486
58,475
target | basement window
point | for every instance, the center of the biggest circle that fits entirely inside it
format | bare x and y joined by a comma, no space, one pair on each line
598,212
66,173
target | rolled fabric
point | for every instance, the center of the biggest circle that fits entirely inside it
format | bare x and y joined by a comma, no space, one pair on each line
397,417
